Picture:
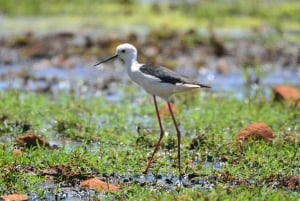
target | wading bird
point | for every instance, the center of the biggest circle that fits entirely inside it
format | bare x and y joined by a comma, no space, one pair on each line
157,81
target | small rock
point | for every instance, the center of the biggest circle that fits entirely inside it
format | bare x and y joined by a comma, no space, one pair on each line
293,182
42,64
222,67
62,61
15,197
255,131
34,49
58,60
287,93
17,152
293,138
98,185
31,140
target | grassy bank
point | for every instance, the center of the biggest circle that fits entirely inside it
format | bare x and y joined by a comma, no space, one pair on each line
105,140
244,14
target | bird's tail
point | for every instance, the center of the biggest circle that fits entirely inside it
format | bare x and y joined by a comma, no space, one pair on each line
204,85
200,84
196,84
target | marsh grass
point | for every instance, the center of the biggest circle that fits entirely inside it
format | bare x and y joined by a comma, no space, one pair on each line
113,126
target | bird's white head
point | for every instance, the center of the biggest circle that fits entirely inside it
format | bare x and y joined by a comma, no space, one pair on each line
126,52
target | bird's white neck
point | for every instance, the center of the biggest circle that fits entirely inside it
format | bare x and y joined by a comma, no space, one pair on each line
131,64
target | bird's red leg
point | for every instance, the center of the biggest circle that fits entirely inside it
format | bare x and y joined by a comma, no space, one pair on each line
160,137
178,137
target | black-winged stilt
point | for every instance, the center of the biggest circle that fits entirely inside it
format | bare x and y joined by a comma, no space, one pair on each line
158,81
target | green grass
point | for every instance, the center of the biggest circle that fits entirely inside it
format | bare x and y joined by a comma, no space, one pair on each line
113,125
283,15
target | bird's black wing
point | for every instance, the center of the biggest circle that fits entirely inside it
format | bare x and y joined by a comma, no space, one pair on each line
168,76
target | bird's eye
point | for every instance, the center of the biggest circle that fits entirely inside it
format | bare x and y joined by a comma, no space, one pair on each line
123,51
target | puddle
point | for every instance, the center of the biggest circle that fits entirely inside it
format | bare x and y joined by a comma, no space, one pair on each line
166,183
215,164
69,144
235,83
51,192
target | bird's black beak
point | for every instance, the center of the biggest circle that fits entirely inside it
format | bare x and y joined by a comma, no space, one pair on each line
106,60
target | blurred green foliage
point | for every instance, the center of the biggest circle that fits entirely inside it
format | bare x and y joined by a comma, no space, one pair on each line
282,15
50,7
201,9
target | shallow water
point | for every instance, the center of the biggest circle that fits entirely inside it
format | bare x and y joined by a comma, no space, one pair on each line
234,82
91,81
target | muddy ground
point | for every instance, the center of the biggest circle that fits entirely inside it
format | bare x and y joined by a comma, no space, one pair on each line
64,61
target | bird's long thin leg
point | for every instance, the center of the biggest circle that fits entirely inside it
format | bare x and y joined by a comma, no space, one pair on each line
160,136
178,137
